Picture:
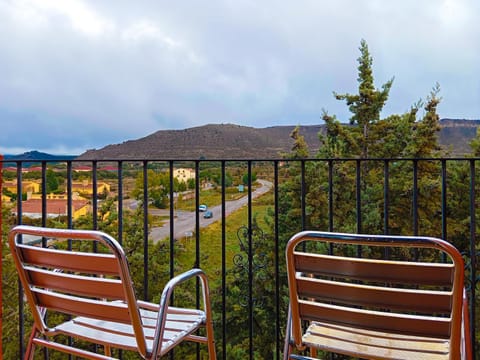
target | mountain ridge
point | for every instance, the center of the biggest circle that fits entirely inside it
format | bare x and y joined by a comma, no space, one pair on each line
230,141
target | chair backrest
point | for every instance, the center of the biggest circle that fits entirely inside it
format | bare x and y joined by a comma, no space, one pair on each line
396,295
78,282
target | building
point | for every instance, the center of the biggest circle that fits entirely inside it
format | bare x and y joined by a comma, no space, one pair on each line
27,186
33,208
85,187
184,174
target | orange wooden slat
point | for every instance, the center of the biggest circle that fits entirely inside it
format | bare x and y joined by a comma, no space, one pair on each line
376,320
69,260
375,270
375,296
105,310
75,284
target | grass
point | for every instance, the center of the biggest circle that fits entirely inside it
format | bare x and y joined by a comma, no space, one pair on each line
211,240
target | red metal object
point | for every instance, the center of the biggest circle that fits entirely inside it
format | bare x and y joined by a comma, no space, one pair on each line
1,253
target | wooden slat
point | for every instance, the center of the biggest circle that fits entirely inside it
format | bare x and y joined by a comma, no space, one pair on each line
374,296
69,260
75,284
351,341
376,320
104,310
375,270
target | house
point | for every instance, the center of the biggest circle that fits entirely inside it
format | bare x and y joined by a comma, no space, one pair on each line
33,208
27,186
108,168
82,168
53,196
184,174
85,187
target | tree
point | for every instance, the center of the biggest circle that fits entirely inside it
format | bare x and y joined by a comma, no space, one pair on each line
245,178
367,105
158,188
475,144
52,181
300,147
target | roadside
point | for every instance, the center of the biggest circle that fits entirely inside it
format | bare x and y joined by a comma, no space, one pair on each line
184,222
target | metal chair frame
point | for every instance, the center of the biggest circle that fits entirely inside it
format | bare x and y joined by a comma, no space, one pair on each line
96,290
375,308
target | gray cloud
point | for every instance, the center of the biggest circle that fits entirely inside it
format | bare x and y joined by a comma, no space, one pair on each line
79,74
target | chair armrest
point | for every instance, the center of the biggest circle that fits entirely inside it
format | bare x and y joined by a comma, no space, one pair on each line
165,299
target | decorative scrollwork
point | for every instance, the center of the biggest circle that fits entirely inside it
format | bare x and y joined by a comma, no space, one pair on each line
257,265
469,284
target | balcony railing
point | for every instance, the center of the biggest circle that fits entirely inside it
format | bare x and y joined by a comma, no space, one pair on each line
257,205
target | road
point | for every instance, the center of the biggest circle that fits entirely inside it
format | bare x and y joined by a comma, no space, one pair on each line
185,220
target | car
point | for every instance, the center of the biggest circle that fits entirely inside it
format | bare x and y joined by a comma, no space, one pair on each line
208,214
202,208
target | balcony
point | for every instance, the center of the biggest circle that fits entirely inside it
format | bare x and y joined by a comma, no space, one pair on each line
256,205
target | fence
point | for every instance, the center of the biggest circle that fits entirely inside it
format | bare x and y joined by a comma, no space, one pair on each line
257,205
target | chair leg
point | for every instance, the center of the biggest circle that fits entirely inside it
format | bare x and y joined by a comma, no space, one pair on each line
287,348
212,355
29,352
466,346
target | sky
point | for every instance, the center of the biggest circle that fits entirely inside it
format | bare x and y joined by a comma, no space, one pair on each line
83,74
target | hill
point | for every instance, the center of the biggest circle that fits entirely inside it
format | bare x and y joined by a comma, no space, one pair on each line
456,134
228,141
36,156
224,141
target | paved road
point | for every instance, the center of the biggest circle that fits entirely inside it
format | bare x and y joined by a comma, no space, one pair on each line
185,220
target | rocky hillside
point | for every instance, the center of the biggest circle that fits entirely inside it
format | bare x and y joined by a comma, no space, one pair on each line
455,135
228,141
225,141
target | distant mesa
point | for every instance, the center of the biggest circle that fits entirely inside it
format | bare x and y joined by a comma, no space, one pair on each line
229,141
220,141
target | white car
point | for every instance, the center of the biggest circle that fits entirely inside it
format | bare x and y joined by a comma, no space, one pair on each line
202,208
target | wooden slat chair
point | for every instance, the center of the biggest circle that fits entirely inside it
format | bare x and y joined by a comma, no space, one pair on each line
96,290
371,308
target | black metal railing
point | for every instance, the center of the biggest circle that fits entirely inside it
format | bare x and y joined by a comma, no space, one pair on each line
434,197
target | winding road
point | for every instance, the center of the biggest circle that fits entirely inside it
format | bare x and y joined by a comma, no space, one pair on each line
185,220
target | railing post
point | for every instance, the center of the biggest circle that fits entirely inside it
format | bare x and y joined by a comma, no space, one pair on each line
250,260
224,265
473,256
1,248
145,230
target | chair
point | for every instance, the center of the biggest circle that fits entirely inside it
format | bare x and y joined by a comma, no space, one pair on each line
95,290
373,308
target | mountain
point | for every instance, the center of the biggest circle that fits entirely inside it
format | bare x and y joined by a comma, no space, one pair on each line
229,141
225,141
456,134
36,156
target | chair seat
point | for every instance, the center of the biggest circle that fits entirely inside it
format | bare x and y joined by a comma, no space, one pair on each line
181,322
374,344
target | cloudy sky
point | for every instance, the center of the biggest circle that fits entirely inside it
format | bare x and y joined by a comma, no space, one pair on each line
81,74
